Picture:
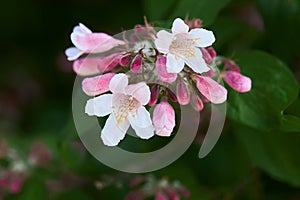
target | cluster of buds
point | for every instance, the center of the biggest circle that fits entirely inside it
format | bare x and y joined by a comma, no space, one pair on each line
178,66
14,169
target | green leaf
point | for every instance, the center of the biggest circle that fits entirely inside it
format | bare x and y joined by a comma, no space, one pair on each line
207,10
274,88
275,152
33,189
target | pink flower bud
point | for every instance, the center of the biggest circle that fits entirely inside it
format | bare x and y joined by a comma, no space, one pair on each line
162,70
196,102
164,119
97,85
136,63
161,196
237,81
124,60
212,52
184,191
16,184
154,95
230,65
182,93
210,73
172,194
211,89
206,55
4,179
172,96
92,66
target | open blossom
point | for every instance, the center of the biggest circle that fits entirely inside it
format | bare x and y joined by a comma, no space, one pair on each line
182,46
85,41
125,107
164,119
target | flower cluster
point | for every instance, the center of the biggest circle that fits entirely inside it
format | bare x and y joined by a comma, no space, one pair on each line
14,169
183,58
144,186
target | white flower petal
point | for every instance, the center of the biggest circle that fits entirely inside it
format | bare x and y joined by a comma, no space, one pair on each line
142,123
99,106
196,62
113,133
203,37
174,63
163,41
118,83
179,26
140,92
73,53
84,29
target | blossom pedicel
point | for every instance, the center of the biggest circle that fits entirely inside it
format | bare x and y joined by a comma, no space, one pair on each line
182,58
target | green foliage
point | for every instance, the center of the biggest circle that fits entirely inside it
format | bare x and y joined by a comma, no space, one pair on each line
274,89
207,10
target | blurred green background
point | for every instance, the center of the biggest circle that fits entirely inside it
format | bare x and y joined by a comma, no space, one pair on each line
257,156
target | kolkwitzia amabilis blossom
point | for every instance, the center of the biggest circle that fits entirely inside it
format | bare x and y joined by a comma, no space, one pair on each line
182,46
85,41
125,107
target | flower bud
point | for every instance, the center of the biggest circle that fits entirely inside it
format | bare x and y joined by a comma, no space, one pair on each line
97,85
211,89
154,95
182,93
164,119
237,81
136,63
124,60
196,102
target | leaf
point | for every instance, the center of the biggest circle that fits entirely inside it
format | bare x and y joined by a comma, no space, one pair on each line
274,88
275,152
207,10
281,21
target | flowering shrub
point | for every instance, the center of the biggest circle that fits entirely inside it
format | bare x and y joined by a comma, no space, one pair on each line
183,57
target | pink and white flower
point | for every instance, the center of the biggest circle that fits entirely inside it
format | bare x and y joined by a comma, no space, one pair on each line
182,46
85,41
125,107
164,119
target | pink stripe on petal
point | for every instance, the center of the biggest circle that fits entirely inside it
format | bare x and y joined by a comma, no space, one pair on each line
211,89
161,69
97,85
237,81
